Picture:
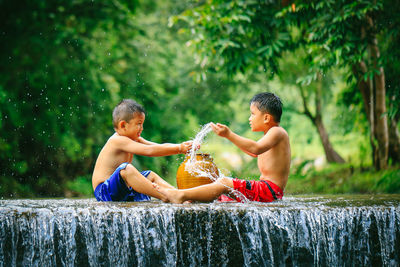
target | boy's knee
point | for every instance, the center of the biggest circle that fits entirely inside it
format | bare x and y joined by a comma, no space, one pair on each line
129,170
225,181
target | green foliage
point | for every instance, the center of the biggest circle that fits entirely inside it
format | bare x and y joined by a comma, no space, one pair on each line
66,65
242,35
341,33
11,188
390,26
81,186
54,104
238,35
344,179
335,32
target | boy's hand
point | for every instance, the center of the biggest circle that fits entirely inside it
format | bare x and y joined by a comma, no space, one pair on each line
220,129
185,147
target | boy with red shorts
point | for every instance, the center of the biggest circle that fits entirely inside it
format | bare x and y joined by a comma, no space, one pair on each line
272,152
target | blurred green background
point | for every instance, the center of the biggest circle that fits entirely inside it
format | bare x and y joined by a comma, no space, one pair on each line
66,64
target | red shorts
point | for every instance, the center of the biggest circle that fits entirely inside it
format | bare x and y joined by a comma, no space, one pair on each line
255,191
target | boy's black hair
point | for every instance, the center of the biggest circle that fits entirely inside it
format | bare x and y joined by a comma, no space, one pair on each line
125,111
269,103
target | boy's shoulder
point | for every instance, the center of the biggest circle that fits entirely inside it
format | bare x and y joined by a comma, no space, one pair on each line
116,139
276,134
278,130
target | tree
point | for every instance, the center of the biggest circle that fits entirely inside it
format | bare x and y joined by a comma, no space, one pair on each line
389,25
348,34
311,85
244,34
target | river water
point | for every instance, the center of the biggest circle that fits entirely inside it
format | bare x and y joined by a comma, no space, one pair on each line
356,230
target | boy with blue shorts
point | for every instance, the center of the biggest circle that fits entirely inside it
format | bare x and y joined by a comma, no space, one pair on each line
114,177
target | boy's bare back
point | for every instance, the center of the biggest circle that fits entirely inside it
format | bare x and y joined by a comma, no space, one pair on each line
110,157
274,164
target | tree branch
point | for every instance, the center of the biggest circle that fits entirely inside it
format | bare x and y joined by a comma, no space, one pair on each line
305,106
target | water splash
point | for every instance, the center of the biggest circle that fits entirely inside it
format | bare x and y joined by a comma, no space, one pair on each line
198,140
194,167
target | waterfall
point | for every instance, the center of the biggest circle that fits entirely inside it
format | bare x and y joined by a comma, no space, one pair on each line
295,231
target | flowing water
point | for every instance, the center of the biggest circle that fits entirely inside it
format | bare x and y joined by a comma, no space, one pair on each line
359,230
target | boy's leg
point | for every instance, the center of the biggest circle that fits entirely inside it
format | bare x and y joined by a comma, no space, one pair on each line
203,193
139,183
155,178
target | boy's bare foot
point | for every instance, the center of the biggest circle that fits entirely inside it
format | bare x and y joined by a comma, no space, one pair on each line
173,195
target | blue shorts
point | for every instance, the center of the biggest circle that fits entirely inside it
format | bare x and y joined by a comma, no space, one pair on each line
115,189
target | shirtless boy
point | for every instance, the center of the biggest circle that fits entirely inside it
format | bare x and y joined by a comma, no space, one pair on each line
114,177
272,152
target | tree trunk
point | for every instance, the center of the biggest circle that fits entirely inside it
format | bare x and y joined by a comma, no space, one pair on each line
394,142
366,88
381,125
374,96
380,120
331,155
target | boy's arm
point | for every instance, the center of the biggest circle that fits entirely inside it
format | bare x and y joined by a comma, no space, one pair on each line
151,150
146,142
248,153
269,140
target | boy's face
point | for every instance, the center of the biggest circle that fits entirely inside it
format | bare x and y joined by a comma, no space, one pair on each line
257,119
134,127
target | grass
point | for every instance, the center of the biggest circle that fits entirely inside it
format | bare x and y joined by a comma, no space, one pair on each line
345,179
